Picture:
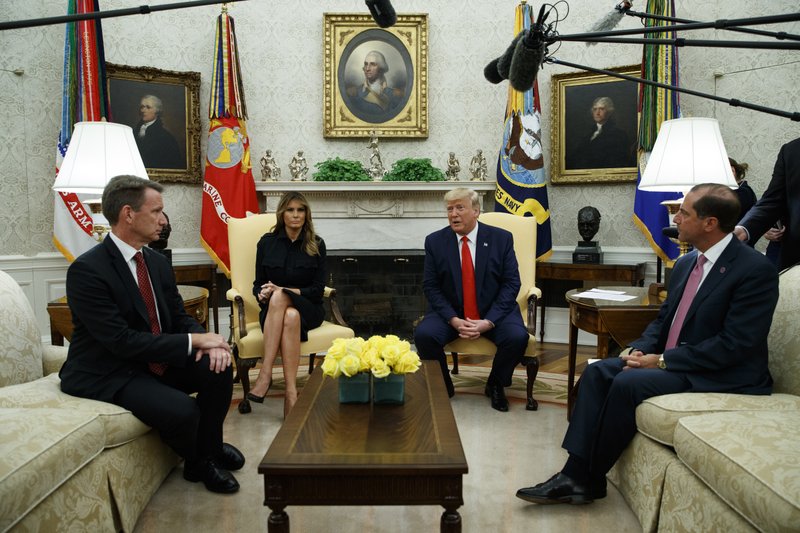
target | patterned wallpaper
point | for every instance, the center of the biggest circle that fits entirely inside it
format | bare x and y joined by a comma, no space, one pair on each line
281,52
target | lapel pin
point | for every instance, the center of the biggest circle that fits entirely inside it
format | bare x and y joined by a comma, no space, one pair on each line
486,244
722,270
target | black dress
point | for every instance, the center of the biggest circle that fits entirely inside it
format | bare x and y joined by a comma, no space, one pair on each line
285,264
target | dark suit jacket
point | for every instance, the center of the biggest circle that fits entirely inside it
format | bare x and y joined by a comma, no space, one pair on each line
496,274
158,147
723,343
781,201
111,339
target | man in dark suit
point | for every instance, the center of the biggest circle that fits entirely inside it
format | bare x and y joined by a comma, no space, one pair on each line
707,339
134,345
781,201
492,309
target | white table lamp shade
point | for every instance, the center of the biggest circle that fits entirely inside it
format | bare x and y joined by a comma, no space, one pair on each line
97,152
688,151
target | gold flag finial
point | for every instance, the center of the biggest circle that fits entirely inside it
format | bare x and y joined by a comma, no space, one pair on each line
225,7
523,2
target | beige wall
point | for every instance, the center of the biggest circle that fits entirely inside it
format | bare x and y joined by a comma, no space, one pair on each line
281,51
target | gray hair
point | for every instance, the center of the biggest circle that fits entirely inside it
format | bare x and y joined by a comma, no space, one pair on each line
157,103
605,101
463,193
379,59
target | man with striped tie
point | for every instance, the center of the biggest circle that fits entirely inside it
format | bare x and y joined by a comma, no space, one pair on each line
134,345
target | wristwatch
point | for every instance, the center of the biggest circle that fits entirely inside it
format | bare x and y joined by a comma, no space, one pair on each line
661,364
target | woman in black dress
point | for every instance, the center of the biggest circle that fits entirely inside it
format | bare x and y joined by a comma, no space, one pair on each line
289,284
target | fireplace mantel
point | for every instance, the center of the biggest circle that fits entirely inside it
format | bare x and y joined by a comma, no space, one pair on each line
363,215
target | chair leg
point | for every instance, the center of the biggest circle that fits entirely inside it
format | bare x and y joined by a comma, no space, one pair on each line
311,362
455,363
243,367
532,368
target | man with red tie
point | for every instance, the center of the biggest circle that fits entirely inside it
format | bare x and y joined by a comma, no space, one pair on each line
710,336
471,282
133,344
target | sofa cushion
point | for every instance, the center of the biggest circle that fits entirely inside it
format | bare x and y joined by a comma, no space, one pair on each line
120,426
20,341
783,340
750,460
657,417
40,450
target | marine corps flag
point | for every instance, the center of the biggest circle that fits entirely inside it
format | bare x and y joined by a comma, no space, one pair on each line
659,63
228,189
521,179
84,98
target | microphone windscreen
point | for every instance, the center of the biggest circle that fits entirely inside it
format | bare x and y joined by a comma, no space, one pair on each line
382,12
525,63
670,231
490,72
607,23
504,61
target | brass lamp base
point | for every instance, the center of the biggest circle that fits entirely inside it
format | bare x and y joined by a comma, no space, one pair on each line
96,207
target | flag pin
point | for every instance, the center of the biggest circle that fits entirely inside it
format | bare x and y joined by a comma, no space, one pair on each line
722,270
486,244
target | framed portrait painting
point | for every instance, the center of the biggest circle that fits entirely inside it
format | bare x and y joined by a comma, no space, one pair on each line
162,107
376,79
594,131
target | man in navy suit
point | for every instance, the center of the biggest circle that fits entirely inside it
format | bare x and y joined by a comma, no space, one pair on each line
493,313
781,201
720,345
129,321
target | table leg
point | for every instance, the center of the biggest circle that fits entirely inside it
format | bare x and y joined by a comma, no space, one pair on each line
56,338
451,521
603,340
573,351
278,521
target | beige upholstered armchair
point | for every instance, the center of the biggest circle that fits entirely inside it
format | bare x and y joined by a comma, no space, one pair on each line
524,231
246,334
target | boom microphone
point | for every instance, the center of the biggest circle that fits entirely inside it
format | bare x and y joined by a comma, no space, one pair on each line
611,20
497,69
528,56
382,12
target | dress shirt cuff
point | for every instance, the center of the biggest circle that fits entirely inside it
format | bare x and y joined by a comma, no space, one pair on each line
745,232
189,351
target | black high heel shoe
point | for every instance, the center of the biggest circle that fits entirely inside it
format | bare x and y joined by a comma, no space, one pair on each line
259,399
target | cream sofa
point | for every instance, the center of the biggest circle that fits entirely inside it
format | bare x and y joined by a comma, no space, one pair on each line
66,463
723,462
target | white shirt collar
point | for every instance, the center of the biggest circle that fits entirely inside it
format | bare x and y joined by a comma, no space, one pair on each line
713,253
472,236
125,249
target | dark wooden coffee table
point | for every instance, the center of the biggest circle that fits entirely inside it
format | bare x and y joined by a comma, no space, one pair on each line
327,453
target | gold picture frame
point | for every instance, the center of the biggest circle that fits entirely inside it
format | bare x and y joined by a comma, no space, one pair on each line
580,153
171,148
400,107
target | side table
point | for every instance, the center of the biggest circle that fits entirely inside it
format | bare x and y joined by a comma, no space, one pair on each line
621,322
195,302
201,275
570,275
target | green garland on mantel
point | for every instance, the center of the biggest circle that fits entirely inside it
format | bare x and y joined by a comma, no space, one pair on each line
338,169
411,169
407,169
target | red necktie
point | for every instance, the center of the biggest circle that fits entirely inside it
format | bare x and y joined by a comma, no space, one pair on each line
146,290
689,291
468,282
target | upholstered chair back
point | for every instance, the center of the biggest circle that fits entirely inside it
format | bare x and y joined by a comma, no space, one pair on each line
784,340
20,339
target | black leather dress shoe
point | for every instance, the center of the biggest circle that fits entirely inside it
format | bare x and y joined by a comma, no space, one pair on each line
215,479
229,458
496,393
557,489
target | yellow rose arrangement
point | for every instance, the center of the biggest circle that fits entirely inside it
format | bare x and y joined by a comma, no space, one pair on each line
379,355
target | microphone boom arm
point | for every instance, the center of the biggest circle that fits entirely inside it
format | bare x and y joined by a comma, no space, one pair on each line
795,116
764,45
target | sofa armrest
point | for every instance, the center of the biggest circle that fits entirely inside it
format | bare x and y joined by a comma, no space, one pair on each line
53,358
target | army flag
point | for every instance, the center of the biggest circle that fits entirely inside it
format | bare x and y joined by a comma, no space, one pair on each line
84,98
659,63
228,188
521,178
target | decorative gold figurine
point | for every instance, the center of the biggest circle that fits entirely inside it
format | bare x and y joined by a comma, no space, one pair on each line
453,168
478,167
298,168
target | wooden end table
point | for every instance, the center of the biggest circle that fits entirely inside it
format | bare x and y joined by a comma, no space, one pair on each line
195,302
621,322
327,453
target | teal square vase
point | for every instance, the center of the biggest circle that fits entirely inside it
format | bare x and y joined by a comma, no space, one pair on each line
390,390
354,389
